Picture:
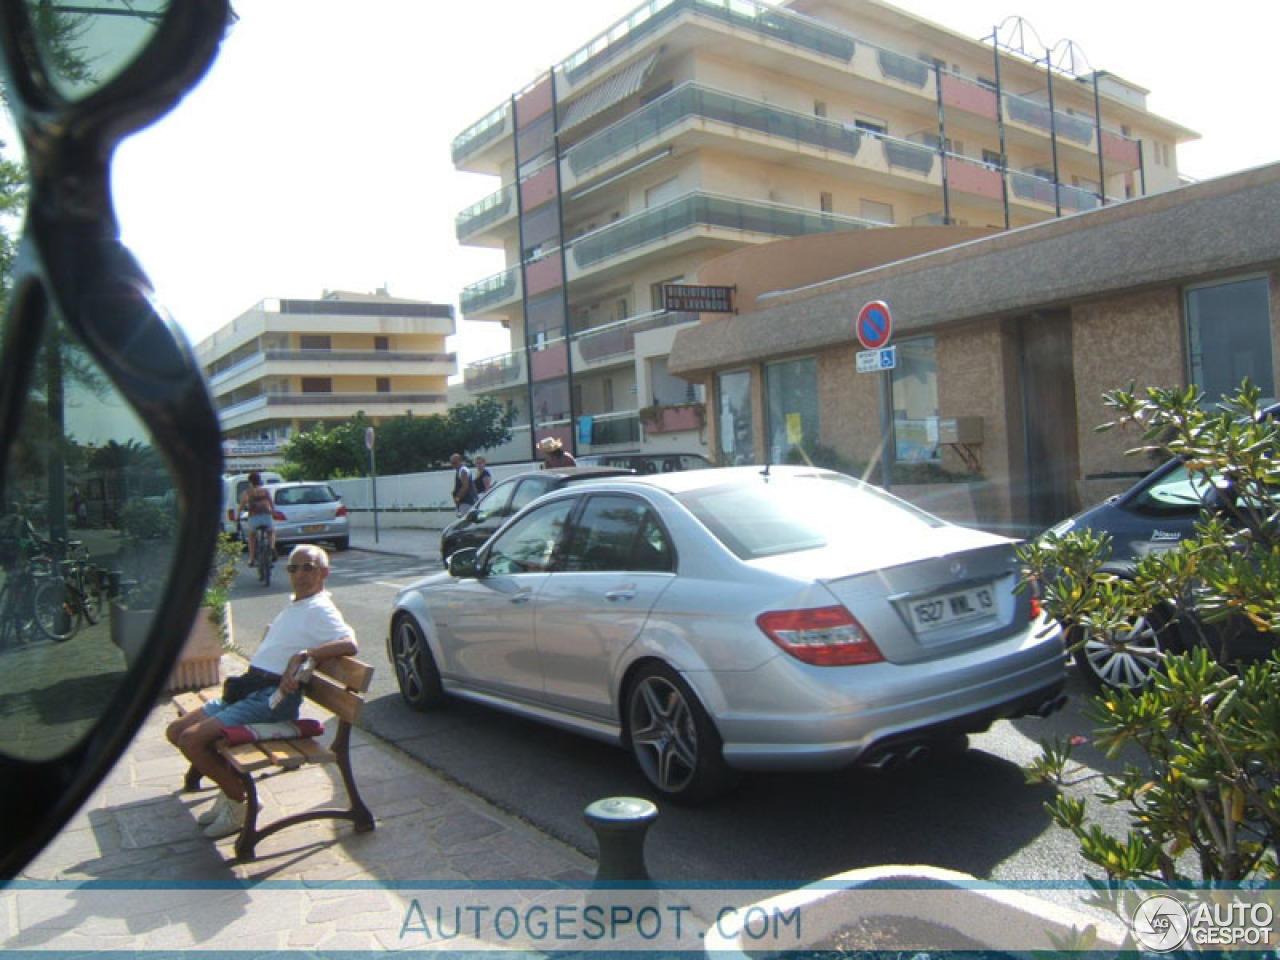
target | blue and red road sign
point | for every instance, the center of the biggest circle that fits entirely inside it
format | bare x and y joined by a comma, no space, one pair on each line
875,325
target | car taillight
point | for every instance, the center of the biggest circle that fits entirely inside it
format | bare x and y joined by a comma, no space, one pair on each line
278,517
824,637
342,510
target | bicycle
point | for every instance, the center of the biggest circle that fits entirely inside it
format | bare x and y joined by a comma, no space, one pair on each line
263,554
26,603
76,595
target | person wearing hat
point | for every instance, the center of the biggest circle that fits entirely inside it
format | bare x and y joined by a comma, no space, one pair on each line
554,453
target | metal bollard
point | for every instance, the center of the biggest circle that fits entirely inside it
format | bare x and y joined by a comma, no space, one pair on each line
620,825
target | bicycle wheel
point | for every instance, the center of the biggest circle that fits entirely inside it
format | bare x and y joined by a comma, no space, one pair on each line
265,560
92,598
56,614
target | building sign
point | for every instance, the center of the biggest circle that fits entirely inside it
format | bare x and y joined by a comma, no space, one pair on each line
697,298
873,361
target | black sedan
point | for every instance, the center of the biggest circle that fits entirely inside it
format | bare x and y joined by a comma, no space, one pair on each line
508,498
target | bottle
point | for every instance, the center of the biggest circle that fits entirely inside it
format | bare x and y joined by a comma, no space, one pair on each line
302,675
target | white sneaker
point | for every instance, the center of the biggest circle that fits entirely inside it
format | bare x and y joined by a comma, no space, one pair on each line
211,814
229,820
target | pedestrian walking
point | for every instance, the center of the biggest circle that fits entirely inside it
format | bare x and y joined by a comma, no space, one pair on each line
464,488
482,477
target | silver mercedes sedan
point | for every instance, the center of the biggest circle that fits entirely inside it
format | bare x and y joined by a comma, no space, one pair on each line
729,620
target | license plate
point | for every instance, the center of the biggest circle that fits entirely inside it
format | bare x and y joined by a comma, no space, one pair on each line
314,528
958,606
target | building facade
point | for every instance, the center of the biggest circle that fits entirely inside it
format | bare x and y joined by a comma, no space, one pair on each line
697,127
1004,346
286,366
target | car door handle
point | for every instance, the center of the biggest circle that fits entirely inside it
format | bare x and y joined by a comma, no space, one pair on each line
521,596
622,593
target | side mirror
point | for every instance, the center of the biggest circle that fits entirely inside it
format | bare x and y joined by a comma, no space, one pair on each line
462,563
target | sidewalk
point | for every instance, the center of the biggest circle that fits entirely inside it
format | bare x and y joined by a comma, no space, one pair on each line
133,871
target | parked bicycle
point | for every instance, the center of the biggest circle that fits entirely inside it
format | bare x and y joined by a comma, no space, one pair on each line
75,596
30,598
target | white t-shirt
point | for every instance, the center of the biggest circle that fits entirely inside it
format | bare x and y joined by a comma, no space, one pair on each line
301,625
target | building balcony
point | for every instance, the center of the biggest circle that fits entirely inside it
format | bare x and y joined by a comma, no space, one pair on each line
468,145
473,224
496,373
765,21
598,432
500,290
286,362
712,217
614,344
240,413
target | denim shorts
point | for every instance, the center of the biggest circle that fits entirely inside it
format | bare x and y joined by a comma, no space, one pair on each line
260,520
255,708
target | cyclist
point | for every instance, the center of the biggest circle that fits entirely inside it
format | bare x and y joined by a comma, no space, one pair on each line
257,501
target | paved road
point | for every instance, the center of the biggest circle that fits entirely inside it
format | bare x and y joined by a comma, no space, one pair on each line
971,812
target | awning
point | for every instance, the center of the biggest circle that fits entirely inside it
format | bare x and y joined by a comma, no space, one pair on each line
612,89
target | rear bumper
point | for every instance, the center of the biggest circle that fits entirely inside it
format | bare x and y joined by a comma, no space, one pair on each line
888,722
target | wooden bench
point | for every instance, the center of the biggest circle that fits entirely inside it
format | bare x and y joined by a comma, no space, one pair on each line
338,686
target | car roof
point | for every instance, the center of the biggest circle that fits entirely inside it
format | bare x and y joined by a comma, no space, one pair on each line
296,483
680,481
574,473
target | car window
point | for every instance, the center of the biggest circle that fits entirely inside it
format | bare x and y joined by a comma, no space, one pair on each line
529,545
292,496
784,515
1179,491
529,490
617,533
497,502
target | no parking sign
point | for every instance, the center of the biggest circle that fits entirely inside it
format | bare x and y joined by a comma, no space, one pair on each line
875,325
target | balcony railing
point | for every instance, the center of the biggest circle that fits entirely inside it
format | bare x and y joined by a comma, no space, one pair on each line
1035,114
492,209
906,70
691,100
222,370
766,21
619,338
705,210
499,288
227,406
612,428
1027,186
495,371
488,128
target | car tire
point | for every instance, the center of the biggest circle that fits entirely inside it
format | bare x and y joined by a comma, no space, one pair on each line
342,543
1127,662
672,739
417,675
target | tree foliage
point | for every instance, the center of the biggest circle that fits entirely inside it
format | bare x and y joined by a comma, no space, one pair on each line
1206,795
405,444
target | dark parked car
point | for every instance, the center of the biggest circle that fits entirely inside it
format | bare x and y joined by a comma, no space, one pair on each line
508,498
1155,514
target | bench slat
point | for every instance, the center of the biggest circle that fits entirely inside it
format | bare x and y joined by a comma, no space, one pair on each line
245,757
343,704
349,672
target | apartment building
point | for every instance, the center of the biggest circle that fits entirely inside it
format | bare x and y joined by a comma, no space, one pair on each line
693,128
285,366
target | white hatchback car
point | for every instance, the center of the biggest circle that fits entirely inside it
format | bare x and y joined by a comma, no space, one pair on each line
726,620
309,513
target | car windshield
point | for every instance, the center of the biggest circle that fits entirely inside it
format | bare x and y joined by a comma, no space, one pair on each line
292,496
786,515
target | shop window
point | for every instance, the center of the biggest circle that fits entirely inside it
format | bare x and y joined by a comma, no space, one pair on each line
1229,336
791,392
915,401
733,399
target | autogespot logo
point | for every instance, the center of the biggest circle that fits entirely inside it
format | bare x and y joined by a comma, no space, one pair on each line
1161,924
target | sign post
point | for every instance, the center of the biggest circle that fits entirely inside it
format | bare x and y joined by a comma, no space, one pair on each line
373,478
875,326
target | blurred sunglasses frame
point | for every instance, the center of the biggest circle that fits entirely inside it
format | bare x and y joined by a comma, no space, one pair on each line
71,265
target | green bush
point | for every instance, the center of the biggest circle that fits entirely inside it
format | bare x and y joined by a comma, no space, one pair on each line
1205,796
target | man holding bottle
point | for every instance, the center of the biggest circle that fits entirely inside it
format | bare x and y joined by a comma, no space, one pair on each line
309,628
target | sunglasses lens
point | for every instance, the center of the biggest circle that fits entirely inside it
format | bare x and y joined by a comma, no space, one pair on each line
84,48
88,524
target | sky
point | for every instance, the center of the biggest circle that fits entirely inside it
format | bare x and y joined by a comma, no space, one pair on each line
316,154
